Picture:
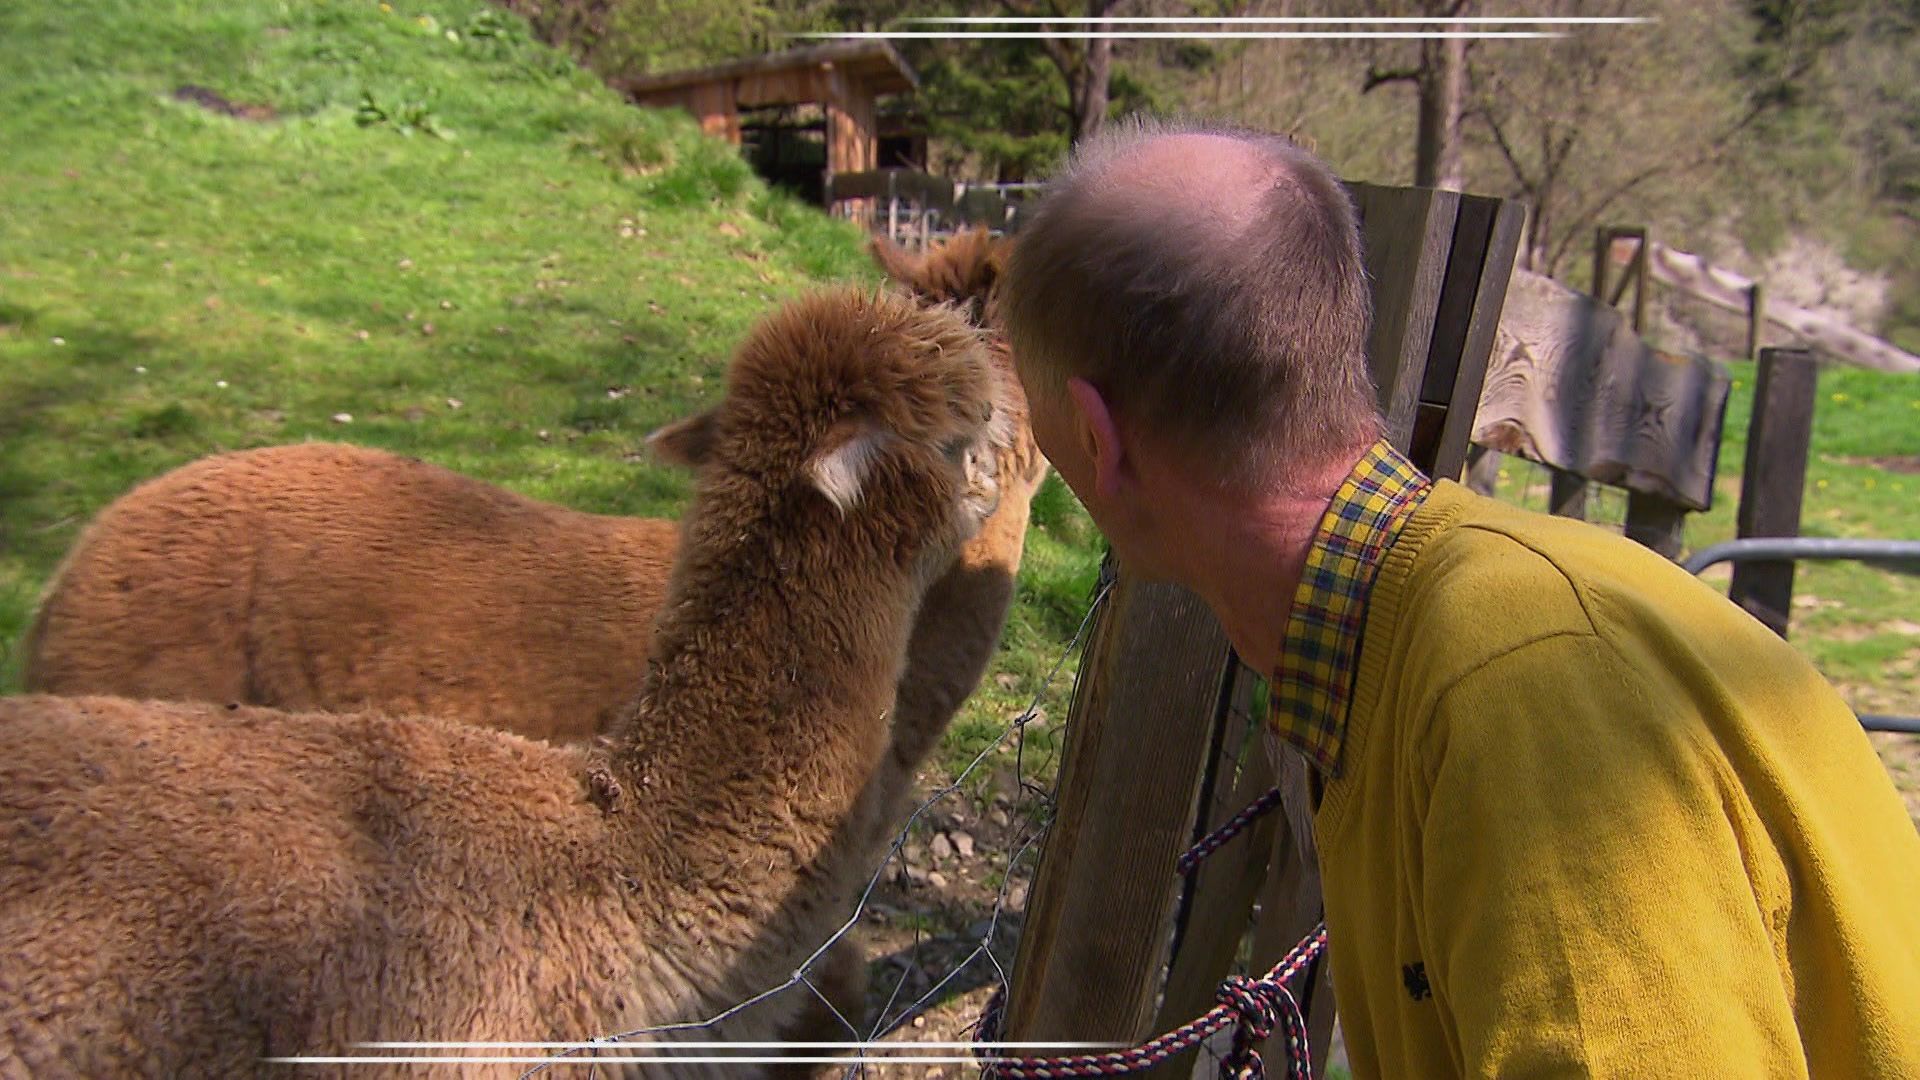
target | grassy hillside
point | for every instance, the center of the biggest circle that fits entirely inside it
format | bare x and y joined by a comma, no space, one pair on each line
426,232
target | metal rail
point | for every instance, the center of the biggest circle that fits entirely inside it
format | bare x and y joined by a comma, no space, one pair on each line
1795,548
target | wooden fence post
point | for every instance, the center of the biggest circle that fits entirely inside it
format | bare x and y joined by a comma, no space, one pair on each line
1774,481
1567,496
1097,936
1656,522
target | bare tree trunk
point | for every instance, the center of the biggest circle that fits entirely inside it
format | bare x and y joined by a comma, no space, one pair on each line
1090,104
1442,81
1086,65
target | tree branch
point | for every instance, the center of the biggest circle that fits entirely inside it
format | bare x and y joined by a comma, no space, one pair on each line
1505,147
1712,149
1378,77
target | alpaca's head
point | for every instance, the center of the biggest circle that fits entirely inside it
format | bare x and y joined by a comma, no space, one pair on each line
855,415
963,269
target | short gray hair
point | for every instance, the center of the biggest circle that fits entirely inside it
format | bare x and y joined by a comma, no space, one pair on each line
1242,340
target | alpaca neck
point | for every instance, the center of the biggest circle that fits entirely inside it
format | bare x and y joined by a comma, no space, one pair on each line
768,696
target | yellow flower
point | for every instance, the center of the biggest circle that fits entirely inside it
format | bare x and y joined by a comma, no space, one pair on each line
1839,399
388,8
1822,484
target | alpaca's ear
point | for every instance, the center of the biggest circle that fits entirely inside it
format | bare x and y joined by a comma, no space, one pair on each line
686,442
994,266
840,471
893,260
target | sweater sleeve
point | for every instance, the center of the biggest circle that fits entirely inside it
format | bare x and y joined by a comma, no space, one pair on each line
1596,898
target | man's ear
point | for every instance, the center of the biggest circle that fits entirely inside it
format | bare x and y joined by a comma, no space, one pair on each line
687,442
1099,433
840,471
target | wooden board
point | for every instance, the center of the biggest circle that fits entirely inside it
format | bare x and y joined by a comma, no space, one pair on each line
1733,292
1486,239
1775,479
1290,907
1218,908
1098,926
1407,234
1570,386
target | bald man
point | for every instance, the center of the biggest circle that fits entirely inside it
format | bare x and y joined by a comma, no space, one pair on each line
1580,815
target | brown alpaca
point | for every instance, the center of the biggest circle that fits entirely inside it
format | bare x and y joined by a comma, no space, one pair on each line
964,269
190,889
330,577
324,577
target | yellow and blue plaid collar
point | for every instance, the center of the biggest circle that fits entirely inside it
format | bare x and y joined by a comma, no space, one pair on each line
1321,646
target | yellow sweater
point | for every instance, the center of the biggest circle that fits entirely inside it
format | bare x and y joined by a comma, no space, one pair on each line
1592,819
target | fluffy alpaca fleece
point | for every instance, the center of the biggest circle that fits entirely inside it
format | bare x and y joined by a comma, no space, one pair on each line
187,889
964,268
325,577
330,577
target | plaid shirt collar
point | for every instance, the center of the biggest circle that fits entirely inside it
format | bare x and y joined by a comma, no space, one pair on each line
1321,646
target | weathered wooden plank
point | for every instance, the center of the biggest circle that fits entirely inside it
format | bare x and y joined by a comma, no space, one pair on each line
1097,926
1571,386
1775,478
1220,902
1407,234
1291,906
1486,239
1726,289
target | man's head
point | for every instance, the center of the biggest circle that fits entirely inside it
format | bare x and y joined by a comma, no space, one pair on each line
1194,295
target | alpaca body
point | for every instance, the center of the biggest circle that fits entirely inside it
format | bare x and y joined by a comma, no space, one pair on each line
356,884
190,889
329,577
332,578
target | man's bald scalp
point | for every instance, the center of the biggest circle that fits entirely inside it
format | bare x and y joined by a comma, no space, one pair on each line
1208,281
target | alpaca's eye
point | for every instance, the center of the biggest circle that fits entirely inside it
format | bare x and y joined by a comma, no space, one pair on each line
956,450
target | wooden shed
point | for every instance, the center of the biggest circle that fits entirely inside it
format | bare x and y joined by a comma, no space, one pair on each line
844,79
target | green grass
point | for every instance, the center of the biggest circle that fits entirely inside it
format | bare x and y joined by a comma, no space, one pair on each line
447,233
1860,625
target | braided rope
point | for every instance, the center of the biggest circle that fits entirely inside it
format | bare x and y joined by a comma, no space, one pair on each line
1253,1007
1214,840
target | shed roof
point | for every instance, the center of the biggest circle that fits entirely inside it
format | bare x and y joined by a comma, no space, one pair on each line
875,62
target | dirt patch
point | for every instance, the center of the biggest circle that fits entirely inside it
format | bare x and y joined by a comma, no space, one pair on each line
213,101
1899,463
